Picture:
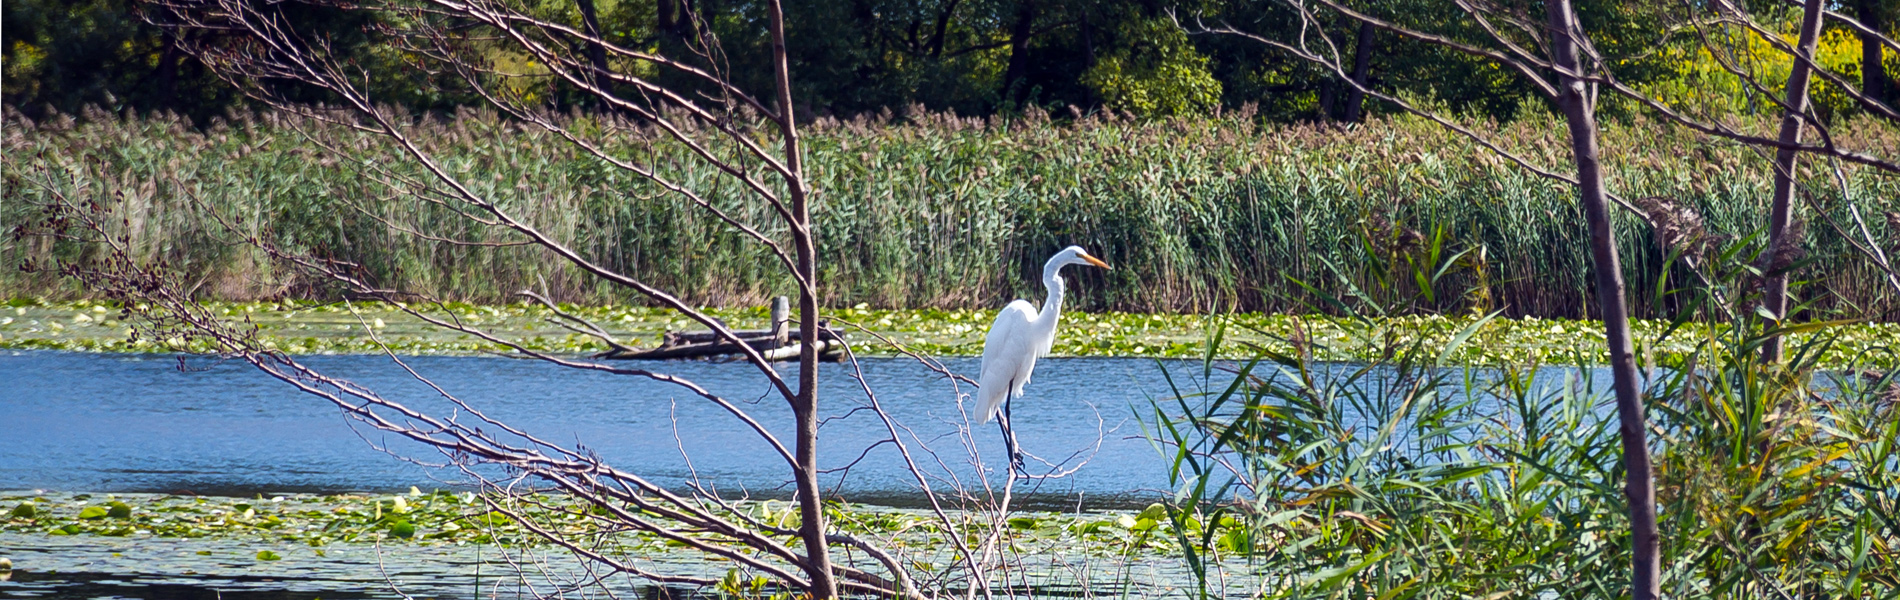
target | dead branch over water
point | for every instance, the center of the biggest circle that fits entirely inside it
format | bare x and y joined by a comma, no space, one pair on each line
753,152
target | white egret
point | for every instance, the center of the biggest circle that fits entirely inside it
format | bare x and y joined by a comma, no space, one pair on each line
1020,335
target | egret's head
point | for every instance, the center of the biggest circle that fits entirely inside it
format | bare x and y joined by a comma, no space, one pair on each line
1075,255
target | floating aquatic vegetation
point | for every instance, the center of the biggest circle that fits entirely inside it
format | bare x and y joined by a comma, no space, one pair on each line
450,517
312,328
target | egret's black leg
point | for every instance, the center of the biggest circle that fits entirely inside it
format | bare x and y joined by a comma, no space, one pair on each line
1009,436
1002,422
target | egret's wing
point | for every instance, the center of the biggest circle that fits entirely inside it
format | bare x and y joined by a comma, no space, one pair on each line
1011,328
1008,352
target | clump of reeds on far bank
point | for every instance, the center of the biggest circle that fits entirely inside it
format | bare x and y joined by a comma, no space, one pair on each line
926,210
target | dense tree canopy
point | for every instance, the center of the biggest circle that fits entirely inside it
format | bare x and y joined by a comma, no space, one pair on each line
974,57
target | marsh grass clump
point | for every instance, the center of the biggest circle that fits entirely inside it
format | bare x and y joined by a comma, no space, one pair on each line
1677,226
921,210
1407,476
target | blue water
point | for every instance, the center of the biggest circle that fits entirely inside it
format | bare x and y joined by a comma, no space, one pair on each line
141,423
150,423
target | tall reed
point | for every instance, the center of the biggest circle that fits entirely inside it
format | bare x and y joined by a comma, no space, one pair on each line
928,210
1405,477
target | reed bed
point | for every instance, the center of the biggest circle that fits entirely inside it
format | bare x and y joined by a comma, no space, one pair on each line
1406,476
1405,479
933,210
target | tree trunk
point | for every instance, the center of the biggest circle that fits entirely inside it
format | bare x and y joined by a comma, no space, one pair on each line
1639,484
1873,68
1326,102
811,510
667,13
1088,42
1018,49
1361,65
942,30
596,53
1774,262
677,18
165,76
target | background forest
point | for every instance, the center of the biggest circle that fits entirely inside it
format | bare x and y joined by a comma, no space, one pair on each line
971,57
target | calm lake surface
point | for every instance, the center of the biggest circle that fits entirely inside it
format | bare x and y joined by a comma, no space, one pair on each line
83,422
140,423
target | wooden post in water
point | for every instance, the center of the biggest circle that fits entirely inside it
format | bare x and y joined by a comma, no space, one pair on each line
782,320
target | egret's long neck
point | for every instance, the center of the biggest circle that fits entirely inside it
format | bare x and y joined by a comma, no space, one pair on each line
1052,279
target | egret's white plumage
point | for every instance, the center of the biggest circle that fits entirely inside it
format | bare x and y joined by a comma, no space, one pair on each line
1009,356
1021,334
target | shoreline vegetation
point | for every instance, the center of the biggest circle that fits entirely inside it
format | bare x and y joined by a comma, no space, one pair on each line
369,328
935,211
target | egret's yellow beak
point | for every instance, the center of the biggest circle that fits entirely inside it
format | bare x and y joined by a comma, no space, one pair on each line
1097,262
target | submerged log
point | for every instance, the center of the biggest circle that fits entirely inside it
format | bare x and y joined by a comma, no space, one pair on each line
830,347
780,342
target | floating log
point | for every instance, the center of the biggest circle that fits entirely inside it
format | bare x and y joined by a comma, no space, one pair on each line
780,342
828,350
701,337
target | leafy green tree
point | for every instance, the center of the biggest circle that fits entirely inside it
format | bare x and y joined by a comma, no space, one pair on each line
853,57
1155,71
63,56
